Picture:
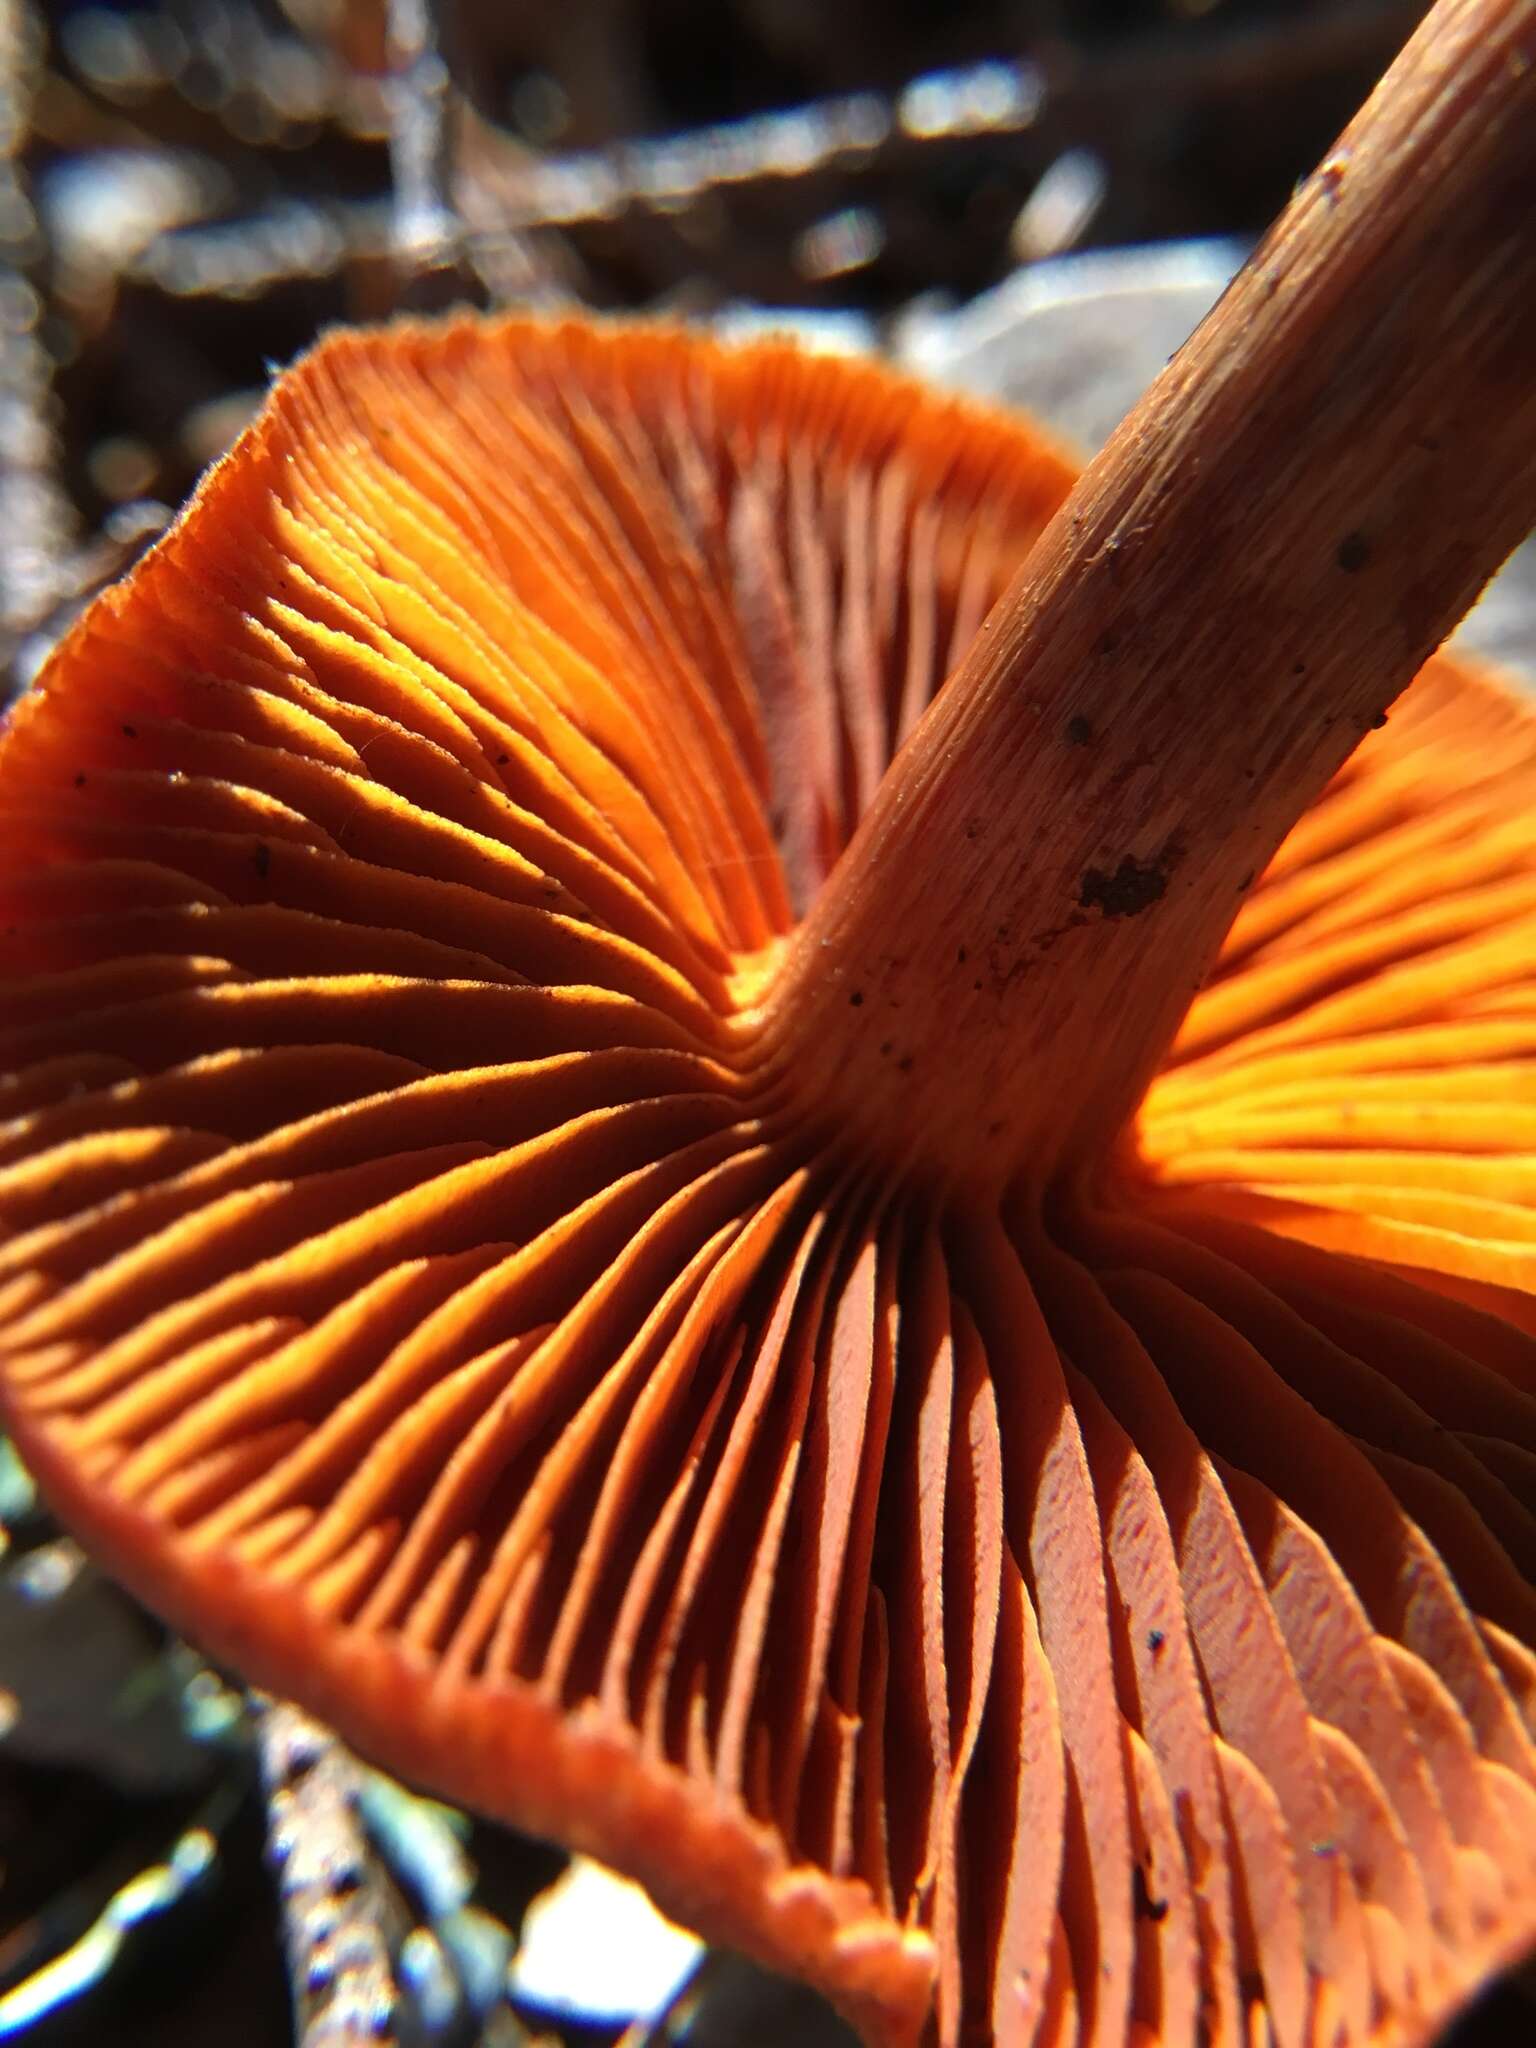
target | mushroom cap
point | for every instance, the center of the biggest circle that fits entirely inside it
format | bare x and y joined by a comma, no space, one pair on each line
1111,1615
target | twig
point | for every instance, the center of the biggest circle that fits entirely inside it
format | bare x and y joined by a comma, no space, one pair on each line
68,1978
1081,98
340,1916
37,521
427,236
348,1845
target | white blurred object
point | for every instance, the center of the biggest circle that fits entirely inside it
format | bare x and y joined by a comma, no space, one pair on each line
102,209
595,1948
842,242
822,333
1061,207
1076,340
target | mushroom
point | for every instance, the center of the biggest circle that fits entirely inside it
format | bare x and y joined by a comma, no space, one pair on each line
755,1303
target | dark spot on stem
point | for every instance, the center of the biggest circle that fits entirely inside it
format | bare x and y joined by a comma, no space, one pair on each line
1133,887
130,732
1353,554
1079,732
1155,1640
856,998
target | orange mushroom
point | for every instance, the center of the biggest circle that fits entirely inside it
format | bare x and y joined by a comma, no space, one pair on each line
528,1236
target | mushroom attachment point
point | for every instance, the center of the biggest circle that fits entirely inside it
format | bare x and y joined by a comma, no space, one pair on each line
1092,1600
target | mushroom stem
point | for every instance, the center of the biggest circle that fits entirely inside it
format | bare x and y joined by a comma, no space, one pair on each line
1298,511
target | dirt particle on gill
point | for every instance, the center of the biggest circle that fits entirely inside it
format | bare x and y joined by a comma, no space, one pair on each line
1146,1906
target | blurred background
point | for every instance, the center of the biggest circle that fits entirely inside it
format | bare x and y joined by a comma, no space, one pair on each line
1035,199
190,191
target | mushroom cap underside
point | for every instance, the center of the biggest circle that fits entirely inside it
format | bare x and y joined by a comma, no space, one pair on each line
1102,1616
